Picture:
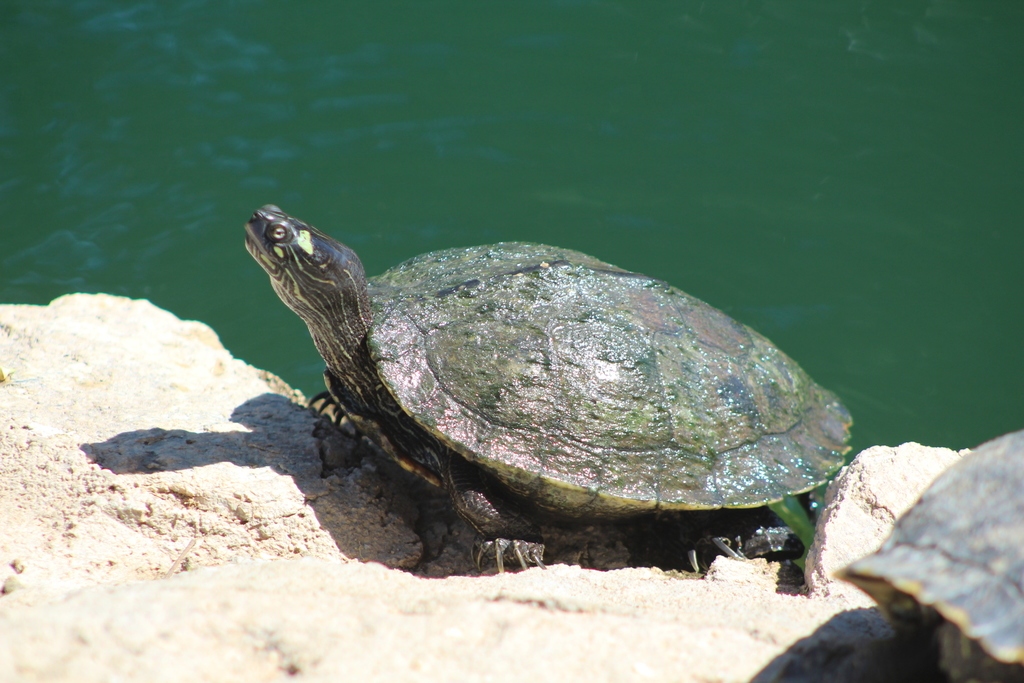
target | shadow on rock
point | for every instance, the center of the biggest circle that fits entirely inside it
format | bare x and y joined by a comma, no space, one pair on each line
372,508
367,515
854,646
278,437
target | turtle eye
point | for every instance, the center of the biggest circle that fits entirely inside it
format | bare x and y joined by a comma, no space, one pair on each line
277,232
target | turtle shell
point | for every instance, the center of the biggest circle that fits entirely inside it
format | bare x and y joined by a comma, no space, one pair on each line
596,392
960,550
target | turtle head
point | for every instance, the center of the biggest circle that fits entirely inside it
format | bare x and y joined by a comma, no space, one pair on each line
319,278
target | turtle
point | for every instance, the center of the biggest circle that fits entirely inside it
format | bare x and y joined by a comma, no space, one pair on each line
950,577
534,382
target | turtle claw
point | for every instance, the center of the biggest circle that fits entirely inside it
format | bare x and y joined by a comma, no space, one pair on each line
727,549
692,556
324,404
525,552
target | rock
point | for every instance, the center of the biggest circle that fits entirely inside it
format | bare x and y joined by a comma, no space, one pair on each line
315,620
758,572
169,513
127,433
861,506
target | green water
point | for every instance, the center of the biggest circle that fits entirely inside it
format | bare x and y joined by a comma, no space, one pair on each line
846,177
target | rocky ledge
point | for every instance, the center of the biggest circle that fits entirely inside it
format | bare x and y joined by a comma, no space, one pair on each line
168,512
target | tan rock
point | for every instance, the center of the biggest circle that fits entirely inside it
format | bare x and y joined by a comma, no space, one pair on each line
127,433
164,515
861,506
326,621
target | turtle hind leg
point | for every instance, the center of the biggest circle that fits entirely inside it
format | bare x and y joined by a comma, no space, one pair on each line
690,540
505,531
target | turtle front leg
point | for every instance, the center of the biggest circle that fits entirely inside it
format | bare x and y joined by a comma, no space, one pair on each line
504,529
526,552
